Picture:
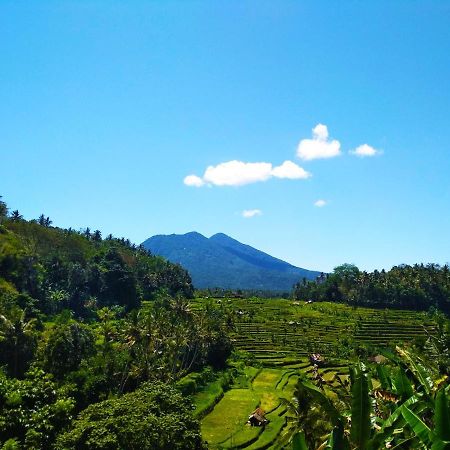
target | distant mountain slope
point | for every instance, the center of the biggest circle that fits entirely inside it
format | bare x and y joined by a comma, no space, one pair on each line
221,261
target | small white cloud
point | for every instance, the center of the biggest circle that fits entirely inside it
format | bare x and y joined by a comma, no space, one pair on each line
320,203
319,146
365,150
290,170
320,132
248,213
193,180
238,173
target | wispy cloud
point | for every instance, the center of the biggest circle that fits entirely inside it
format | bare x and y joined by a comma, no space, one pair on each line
320,203
249,213
319,146
239,173
365,150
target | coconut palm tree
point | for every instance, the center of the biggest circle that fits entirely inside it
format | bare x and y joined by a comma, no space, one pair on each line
17,340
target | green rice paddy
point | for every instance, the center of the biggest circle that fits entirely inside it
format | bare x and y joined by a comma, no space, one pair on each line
279,335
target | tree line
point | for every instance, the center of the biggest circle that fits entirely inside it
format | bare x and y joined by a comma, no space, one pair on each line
417,287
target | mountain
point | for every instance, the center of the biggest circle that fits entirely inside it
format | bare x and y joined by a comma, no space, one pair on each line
224,262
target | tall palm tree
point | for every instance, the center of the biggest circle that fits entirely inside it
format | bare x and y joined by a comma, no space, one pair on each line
16,216
17,337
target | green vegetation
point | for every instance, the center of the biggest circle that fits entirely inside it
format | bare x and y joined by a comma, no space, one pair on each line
94,332
276,338
102,347
280,332
417,287
155,416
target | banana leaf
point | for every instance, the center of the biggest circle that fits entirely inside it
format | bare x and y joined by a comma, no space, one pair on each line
324,402
419,371
440,445
442,416
403,386
395,422
361,405
384,377
419,427
338,440
299,442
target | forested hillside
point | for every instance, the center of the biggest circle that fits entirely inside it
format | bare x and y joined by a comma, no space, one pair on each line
52,269
99,326
417,287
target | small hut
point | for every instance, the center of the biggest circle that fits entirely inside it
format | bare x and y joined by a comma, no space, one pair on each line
257,418
316,359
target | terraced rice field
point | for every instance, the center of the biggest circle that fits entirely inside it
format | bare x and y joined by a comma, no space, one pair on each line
280,335
274,330
225,426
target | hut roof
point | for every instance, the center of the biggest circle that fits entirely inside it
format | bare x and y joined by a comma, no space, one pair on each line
259,414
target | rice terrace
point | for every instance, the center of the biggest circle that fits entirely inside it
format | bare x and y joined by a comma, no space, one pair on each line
277,338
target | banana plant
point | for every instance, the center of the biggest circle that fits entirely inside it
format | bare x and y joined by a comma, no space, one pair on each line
437,438
420,397
417,412
361,407
360,414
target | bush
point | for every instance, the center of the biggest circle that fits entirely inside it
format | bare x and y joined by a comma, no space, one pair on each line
187,386
156,417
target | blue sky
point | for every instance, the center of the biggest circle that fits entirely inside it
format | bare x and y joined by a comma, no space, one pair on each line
106,107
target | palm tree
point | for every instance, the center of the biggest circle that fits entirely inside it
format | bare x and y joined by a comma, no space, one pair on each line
97,236
17,339
3,210
16,216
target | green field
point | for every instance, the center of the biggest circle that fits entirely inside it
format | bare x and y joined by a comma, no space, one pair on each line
278,335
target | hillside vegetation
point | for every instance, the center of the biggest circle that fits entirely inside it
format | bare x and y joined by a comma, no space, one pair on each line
96,331
418,287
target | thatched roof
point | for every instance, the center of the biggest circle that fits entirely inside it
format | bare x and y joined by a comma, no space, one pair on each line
259,414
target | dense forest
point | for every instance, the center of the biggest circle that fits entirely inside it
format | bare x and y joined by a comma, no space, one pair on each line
98,326
418,287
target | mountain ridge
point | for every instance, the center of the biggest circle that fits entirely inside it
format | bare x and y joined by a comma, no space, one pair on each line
224,262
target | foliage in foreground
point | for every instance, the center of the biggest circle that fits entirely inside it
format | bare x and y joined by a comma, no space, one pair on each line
154,417
410,409
34,409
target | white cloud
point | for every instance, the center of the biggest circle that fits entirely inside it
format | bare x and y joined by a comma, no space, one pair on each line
238,173
365,150
193,180
319,146
320,203
290,170
248,213
320,132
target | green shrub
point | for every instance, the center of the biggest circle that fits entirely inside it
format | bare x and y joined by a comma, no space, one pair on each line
154,417
187,386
